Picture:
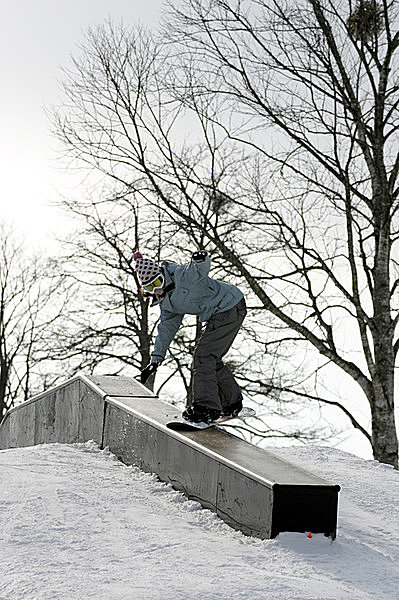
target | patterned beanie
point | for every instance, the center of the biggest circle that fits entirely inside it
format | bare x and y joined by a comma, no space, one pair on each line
146,269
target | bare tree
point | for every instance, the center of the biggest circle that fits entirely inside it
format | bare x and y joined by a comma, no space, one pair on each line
31,300
305,217
108,323
323,76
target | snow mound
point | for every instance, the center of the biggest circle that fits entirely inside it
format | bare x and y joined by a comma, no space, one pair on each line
77,524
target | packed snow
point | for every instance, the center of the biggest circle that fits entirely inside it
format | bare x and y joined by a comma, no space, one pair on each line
77,524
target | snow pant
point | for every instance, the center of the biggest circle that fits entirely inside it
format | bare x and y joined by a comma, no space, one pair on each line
213,384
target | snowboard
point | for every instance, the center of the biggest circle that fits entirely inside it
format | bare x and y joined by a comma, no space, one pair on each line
180,424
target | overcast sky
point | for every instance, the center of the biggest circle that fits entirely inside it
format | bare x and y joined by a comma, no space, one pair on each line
37,38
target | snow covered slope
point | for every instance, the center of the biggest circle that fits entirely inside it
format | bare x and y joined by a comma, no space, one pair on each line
76,524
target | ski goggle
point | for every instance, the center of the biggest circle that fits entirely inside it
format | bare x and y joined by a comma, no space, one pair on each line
154,284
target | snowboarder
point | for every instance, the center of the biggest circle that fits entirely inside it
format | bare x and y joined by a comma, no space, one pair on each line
188,289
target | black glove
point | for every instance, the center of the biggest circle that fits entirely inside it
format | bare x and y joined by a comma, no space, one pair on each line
199,256
148,371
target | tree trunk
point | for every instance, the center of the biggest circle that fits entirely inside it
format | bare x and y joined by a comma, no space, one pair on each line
384,437
3,388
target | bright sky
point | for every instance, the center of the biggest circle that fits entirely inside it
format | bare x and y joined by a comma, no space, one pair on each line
37,38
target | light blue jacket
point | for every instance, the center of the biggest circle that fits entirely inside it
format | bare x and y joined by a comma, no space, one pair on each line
195,293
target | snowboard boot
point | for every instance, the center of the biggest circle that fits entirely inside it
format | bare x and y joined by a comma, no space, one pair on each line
233,410
201,414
